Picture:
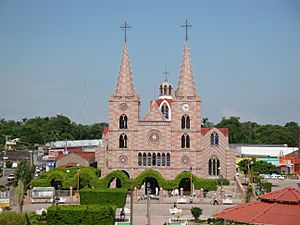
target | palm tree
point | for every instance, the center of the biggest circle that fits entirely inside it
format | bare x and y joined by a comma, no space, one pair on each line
23,177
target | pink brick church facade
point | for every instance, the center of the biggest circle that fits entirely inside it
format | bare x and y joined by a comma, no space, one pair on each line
169,138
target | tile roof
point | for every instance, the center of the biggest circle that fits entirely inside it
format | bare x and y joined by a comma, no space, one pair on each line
279,207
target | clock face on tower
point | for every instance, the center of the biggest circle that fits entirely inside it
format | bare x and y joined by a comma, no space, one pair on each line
185,107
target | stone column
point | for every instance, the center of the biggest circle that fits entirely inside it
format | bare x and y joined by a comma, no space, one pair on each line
181,192
135,194
71,195
201,196
161,195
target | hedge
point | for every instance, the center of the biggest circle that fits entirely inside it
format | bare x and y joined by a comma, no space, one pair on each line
12,218
111,196
81,214
88,177
119,174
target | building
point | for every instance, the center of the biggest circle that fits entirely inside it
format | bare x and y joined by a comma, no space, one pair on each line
268,153
169,138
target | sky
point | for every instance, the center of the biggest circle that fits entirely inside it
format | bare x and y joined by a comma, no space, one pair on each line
245,56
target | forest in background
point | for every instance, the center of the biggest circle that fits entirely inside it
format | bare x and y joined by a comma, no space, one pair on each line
40,130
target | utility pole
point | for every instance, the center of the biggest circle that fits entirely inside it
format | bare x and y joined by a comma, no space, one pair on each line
4,153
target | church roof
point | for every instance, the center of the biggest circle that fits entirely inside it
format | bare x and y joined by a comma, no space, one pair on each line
154,114
125,86
205,130
186,83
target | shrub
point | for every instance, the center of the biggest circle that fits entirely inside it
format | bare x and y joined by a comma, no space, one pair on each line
109,196
8,164
12,218
81,214
196,212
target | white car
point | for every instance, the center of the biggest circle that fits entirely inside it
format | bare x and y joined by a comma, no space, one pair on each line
280,177
10,177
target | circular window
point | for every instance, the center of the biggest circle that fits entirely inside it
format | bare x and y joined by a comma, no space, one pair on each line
123,159
154,136
185,160
123,106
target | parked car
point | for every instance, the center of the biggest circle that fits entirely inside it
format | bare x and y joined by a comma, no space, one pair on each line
11,177
280,177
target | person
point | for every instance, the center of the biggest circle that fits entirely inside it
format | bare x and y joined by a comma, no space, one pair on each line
215,196
175,205
156,191
122,214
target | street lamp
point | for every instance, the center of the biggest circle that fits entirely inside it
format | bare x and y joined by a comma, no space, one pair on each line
191,186
221,181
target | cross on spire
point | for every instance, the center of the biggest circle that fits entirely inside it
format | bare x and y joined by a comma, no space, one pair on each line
125,27
166,74
187,25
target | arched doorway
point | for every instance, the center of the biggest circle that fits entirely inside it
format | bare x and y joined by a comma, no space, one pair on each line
127,174
115,183
151,186
185,183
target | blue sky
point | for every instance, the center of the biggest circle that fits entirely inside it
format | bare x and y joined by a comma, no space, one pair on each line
245,56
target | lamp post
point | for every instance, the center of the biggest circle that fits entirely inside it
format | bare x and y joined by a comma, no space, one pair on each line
250,175
78,182
221,182
191,186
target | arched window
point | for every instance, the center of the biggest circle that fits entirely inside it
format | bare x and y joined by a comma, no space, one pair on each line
214,166
168,159
170,90
149,159
185,122
185,141
209,167
123,121
154,159
165,110
165,90
144,159
158,159
163,159
214,139
123,141
140,159
161,90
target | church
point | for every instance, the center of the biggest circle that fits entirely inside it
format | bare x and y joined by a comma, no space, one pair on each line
169,138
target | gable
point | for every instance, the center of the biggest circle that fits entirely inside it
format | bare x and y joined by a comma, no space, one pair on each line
154,114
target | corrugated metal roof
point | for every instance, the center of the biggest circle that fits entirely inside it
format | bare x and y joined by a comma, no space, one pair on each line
76,143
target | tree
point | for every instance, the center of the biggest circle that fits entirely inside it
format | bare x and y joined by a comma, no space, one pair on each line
196,212
23,177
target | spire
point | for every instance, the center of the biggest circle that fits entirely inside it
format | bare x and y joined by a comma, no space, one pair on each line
186,83
125,86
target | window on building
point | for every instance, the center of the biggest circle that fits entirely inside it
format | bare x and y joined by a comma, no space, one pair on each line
214,139
154,159
165,90
161,90
165,110
185,141
123,141
168,159
158,159
170,90
123,121
144,159
149,159
140,159
163,159
214,166
185,122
